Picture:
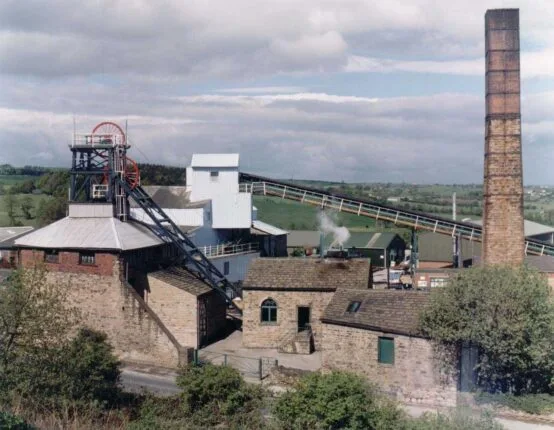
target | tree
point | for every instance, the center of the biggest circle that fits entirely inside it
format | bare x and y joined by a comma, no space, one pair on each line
51,209
10,201
508,314
338,400
34,321
26,205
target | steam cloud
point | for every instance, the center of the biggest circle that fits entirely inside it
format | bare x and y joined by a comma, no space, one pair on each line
328,226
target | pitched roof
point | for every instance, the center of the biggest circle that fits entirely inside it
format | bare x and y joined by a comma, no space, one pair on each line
215,160
369,240
91,233
182,279
307,274
380,310
530,228
260,227
8,235
301,238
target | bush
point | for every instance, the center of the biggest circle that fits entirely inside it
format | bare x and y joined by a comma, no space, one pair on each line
530,403
91,369
508,314
12,422
214,394
457,419
338,400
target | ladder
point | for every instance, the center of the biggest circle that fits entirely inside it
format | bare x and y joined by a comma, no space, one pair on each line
191,258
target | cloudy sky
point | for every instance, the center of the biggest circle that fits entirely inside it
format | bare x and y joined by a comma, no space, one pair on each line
354,90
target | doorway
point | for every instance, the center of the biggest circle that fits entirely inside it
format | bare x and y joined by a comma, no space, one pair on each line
303,318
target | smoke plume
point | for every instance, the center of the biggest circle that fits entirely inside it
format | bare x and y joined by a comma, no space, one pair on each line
328,226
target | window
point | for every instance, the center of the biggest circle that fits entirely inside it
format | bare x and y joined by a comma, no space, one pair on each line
353,307
226,268
438,282
269,311
51,256
87,258
214,175
385,353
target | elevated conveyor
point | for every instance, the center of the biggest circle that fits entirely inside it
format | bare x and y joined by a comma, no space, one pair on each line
404,218
191,258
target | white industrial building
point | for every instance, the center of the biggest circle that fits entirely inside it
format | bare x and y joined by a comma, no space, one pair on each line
218,215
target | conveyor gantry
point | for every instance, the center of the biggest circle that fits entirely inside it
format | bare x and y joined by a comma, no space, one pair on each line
377,211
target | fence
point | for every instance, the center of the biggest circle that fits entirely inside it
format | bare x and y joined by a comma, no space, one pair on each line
251,367
218,250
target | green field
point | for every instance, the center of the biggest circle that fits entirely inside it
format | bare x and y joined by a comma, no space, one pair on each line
291,215
8,180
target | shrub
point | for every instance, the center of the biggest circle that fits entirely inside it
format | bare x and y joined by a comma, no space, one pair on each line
338,400
212,394
13,422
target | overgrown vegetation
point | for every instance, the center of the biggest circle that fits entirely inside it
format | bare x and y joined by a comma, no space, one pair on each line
507,313
537,404
456,419
336,400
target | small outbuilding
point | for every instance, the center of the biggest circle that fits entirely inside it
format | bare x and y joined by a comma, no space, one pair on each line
375,333
284,299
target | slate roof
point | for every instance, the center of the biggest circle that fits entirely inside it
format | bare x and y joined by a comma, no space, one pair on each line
305,274
388,311
182,279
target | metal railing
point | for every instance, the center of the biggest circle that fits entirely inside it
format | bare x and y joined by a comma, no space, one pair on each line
414,220
245,188
229,249
101,139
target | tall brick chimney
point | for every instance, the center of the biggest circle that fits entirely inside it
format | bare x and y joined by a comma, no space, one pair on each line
503,237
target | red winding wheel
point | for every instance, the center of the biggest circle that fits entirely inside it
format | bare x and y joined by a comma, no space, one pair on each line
107,129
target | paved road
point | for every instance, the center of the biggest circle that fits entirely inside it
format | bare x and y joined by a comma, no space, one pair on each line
165,385
136,382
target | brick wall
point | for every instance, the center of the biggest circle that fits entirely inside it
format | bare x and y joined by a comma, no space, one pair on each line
256,334
414,377
107,305
68,261
503,237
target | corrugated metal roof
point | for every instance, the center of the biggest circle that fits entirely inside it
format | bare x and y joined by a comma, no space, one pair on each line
91,233
267,228
367,240
530,228
9,234
301,238
438,247
215,160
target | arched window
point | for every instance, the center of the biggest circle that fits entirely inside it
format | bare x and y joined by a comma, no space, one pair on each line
269,311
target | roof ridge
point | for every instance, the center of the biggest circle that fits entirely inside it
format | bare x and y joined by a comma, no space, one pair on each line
116,234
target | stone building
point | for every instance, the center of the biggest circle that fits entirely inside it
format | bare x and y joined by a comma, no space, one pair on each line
284,299
375,333
8,251
115,274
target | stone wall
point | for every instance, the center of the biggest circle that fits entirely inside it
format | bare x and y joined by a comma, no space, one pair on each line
256,334
177,309
414,377
108,305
